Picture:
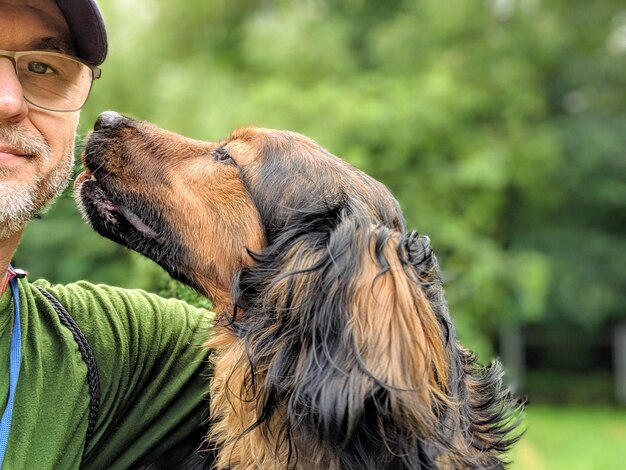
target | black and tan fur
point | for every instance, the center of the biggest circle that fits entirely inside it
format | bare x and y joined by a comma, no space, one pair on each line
333,346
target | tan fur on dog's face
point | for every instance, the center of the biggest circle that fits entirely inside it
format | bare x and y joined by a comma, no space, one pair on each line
188,188
209,204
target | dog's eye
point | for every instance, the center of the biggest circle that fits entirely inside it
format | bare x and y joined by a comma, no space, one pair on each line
222,155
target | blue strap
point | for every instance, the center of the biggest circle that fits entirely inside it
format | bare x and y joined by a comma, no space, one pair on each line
14,370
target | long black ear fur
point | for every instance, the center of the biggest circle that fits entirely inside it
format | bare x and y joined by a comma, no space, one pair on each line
352,351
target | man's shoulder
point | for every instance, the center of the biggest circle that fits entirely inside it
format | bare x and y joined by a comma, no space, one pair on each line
129,328
84,295
100,309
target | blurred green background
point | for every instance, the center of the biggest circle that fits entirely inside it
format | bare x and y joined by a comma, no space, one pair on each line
500,126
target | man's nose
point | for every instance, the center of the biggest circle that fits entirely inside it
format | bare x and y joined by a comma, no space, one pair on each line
13,106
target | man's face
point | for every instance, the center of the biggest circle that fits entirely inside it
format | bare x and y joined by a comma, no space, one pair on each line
36,146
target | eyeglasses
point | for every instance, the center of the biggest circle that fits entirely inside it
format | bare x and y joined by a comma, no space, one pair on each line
53,81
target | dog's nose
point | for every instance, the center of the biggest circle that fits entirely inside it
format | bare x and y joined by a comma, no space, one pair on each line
109,120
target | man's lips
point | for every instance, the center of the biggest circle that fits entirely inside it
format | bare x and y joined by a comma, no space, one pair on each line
11,152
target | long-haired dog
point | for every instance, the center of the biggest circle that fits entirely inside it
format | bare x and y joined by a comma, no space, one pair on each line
333,346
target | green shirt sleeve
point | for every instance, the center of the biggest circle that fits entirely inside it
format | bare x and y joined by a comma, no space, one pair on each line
153,371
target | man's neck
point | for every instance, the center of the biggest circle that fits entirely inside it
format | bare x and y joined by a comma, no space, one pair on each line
7,249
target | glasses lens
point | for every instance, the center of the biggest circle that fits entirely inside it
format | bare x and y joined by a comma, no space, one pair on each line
54,82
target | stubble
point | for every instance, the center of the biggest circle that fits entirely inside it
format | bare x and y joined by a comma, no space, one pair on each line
22,198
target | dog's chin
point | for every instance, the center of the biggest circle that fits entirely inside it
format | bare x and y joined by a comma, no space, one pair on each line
118,221
113,219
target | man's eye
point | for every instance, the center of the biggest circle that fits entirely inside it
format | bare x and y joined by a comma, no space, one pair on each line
39,68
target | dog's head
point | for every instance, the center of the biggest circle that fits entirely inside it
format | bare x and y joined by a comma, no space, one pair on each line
349,342
199,208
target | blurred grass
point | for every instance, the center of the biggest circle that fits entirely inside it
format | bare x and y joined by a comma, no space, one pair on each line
572,438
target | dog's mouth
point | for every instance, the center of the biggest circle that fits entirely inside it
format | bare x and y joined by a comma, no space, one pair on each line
128,218
108,214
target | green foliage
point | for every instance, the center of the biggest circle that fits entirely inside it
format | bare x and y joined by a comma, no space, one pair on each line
499,125
565,388
172,288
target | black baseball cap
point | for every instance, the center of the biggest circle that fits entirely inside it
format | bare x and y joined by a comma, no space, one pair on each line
87,27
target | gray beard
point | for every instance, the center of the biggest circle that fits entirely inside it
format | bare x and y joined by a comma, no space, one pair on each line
21,201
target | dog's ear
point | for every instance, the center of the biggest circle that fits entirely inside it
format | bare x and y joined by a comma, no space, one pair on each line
378,279
346,334
349,352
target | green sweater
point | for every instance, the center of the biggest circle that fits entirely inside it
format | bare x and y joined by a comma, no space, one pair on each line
153,375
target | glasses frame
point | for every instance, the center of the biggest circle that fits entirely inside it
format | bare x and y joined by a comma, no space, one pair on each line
95,73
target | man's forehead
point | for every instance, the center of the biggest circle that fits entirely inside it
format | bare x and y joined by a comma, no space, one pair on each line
47,6
45,13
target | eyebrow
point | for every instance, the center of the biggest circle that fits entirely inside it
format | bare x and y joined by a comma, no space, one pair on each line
51,44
